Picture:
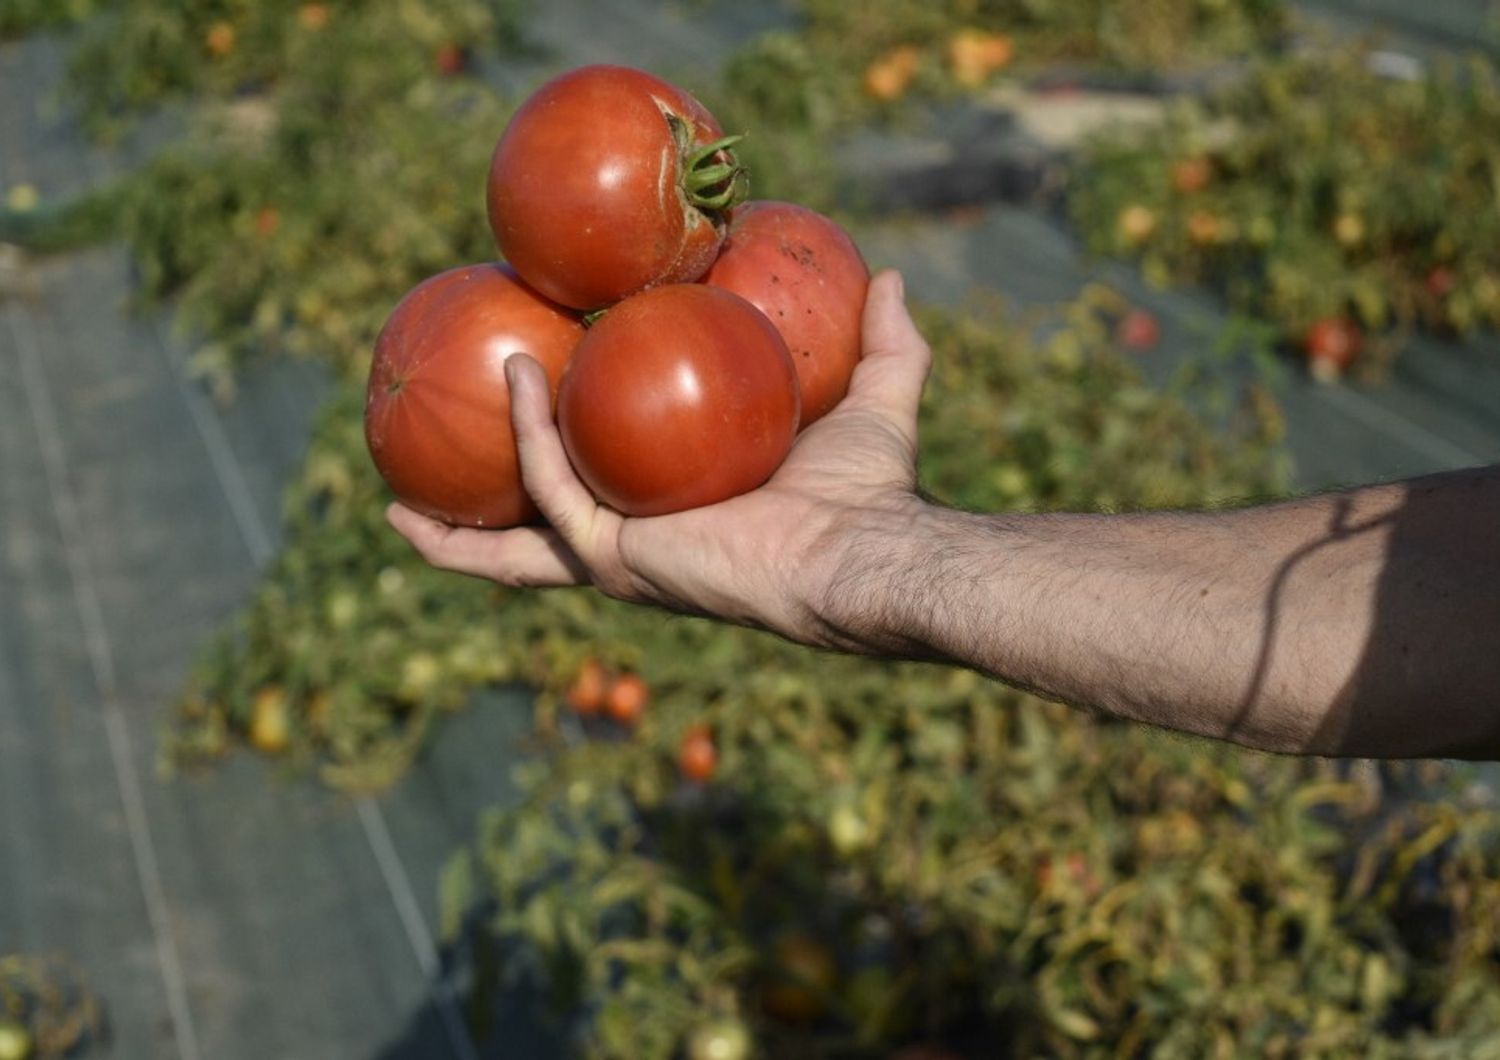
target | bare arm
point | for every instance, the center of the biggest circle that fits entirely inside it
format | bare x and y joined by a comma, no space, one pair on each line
1361,623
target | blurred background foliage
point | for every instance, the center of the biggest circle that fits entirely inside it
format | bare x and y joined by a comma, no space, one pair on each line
868,859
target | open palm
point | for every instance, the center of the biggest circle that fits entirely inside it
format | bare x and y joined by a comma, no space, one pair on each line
764,558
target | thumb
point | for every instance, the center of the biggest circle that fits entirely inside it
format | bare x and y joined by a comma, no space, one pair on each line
895,361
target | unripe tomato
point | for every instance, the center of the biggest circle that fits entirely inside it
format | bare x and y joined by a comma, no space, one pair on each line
1349,229
806,275
270,721
721,1040
697,756
1136,223
677,398
1332,345
608,181
625,700
586,693
16,1042
804,975
437,411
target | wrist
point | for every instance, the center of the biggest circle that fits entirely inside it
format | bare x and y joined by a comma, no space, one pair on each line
878,577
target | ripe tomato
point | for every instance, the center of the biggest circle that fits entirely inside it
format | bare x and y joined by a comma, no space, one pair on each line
1138,330
437,411
220,39
1332,344
888,77
608,181
974,55
451,60
806,275
1440,281
1191,175
313,16
676,398
1136,223
697,756
804,975
625,700
267,222
586,694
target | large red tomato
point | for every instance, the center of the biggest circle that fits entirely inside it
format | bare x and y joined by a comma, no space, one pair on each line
678,397
803,272
608,181
437,411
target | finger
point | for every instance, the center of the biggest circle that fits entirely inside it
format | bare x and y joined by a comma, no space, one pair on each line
548,477
534,557
896,359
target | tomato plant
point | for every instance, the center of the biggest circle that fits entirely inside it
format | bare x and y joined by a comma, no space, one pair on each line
608,181
437,413
805,274
678,397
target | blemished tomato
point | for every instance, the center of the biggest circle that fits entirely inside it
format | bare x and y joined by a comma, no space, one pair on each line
586,693
608,181
1332,345
806,275
679,397
803,976
626,698
697,756
437,410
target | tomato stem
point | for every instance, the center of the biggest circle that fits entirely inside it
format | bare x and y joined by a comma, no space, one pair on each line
712,177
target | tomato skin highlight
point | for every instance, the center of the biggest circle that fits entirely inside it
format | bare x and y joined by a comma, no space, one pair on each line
804,272
437,408
677,398
584,191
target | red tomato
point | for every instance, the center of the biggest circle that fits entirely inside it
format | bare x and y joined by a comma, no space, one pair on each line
451,59
1138,330
586,694
1191,175
625,700
437,411
1441,281
1332,344
803,272
697,756
608,181
676,398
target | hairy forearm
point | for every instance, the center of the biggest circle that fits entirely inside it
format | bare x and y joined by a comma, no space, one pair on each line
1362,623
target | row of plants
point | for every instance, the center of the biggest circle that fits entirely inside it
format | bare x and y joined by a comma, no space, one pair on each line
1345,206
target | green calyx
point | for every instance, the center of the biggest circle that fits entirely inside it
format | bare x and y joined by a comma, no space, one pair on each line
713,179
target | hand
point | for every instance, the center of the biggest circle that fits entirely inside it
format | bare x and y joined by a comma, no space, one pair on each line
768,558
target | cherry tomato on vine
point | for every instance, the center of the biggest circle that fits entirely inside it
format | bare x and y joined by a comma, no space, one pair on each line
608,181
437,410
806,275
678,397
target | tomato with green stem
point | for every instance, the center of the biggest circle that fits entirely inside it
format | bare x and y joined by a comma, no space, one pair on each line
608,181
